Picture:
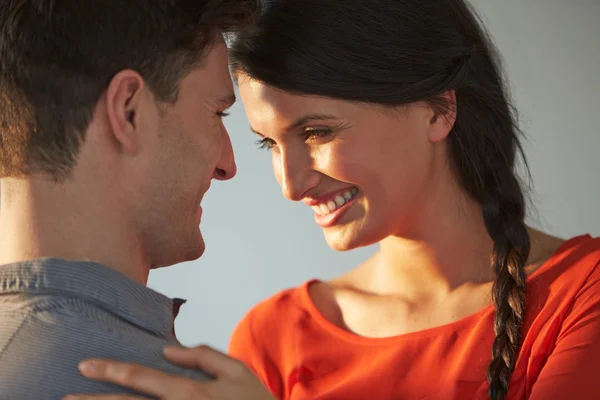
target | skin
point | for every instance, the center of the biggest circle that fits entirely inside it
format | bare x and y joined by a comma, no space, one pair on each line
433,266
136,189
233,379
140,177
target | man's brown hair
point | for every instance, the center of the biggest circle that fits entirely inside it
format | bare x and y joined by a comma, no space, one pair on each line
57,58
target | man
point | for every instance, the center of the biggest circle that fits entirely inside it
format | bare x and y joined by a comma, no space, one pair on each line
110,134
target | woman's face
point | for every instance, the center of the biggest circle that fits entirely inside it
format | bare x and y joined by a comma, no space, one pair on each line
366,171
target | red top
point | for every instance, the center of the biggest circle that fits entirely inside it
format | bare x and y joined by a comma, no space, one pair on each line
299,355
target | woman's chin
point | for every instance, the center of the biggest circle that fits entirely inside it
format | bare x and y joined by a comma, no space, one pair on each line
351,237
341,240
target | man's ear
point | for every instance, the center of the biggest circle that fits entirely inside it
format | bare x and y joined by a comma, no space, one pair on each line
123,102
443,119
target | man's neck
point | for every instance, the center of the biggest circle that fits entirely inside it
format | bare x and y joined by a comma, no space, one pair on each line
41,219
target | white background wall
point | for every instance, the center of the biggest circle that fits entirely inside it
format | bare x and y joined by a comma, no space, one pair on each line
259,243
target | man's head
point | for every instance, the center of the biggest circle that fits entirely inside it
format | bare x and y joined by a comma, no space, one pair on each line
125,98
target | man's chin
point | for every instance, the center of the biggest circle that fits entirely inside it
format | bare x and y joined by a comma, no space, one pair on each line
190,253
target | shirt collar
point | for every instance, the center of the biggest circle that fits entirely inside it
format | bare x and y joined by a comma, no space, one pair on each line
95,283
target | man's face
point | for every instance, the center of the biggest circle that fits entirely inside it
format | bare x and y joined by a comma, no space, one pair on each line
192,148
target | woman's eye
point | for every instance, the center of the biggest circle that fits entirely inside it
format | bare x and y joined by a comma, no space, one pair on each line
311,134
265,143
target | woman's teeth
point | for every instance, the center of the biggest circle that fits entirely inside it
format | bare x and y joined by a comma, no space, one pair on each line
329,206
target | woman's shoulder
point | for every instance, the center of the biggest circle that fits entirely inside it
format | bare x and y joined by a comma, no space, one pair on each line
568,271
270,318
287,301
575,258
261,338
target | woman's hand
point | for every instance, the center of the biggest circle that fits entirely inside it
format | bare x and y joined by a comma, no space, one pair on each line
233,380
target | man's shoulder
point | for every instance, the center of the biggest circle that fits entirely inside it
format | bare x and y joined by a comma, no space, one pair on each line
52,335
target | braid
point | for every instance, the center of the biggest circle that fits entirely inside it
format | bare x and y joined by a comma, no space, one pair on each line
416,63
504,213
484,152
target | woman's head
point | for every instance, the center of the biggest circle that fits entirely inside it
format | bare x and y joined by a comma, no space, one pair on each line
417,100
365,170
375,67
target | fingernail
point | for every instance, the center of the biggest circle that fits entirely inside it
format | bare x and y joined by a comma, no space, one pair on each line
88,367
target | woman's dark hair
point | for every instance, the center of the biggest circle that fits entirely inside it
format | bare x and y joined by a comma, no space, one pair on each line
395,52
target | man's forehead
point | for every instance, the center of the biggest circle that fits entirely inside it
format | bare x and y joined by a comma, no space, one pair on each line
215,84
217,77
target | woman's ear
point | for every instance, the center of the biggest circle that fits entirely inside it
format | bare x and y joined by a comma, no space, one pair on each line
443,118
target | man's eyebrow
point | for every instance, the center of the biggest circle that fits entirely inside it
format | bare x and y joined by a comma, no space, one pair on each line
227,100
302,121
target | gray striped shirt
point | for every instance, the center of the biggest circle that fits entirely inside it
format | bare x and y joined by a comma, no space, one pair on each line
55,313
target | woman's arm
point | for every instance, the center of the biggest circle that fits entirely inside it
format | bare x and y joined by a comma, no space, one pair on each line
233,380
571,371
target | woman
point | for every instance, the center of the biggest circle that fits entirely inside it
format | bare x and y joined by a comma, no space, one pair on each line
390,119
